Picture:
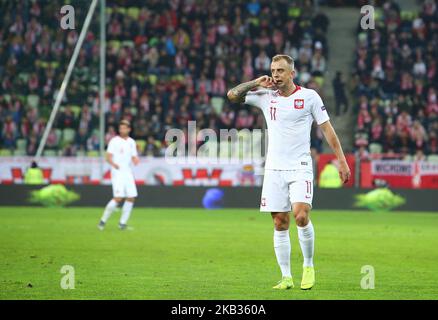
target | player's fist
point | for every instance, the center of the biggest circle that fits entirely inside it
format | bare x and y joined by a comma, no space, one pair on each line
116,166
135,160
344,172
265,82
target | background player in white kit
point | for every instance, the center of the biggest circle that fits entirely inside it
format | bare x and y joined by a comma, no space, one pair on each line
121,153
289,111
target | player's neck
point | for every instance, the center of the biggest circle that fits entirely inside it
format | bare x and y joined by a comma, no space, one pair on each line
287,91
124,137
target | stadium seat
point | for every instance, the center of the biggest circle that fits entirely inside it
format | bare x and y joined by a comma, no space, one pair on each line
133,110
33,100
76,110
81,153
121,10
19,153
5,153
433,158
408,15
319,81
22,98
45,111
141,78
177,77
23,76
68,135
375,148
49,153
141,145
54,64
128,43
44,64
93,153
21,144
153,79
378,13
158,144
58,133
294,12
115,44
217,103
133,12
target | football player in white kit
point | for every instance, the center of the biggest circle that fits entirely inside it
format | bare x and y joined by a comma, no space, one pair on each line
289,111
121,153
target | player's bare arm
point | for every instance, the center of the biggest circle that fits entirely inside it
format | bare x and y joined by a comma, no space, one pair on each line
135,160
332,139
109,159
237,94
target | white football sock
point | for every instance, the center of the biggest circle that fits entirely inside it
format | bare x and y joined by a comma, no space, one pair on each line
109,209
126,212
306,235
282,251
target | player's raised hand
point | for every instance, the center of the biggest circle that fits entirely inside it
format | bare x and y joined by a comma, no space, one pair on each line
265,82
344,172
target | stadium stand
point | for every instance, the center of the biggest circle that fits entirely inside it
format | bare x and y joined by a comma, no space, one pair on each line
167,62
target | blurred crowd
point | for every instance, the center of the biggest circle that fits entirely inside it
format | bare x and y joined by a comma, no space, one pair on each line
395,81
167,62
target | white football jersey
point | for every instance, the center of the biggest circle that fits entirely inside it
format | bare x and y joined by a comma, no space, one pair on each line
122,150
289,121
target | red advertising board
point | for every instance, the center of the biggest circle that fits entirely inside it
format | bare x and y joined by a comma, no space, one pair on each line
400,174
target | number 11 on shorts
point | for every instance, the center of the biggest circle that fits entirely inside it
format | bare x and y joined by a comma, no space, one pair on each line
308,189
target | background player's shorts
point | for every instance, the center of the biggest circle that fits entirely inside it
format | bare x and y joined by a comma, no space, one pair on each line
124,185
281,188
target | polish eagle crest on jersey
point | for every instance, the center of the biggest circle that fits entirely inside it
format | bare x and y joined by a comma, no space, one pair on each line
299,103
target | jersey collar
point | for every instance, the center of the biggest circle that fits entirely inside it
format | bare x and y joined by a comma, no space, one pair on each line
297,87
123,138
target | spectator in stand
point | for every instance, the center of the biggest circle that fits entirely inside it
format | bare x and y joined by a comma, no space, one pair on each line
52,140
340,95
81,139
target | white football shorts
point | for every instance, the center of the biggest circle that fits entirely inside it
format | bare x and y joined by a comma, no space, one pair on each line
282,188
123,185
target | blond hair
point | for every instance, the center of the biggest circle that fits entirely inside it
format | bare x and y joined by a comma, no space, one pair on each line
125,122
285,57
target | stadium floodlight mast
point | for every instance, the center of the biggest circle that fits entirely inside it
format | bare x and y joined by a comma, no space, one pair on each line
64,84
102,82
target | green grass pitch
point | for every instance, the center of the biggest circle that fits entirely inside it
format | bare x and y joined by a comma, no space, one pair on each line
222,254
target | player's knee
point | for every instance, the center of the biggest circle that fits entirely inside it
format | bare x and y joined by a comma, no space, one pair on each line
118,200
130,200
301,218
281,222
